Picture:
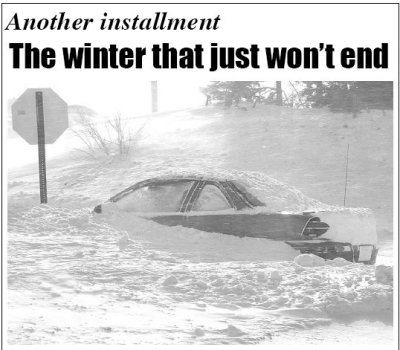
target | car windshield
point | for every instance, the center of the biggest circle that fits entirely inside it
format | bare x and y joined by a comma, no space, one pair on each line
165,197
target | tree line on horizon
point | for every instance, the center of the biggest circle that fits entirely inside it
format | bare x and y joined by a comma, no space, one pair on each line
338,96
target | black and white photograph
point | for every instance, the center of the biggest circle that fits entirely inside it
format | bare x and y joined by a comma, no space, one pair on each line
178,207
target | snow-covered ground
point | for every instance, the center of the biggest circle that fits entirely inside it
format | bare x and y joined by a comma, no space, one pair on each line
118,279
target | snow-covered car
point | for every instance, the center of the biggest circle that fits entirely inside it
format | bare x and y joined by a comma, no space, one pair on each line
226,206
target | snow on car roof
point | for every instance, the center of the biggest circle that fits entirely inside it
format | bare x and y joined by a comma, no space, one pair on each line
188,178
277,195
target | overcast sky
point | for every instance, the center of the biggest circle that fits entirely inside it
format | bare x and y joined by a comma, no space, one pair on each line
127,97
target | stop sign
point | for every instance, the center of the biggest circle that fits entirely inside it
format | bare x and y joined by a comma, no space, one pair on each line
55,113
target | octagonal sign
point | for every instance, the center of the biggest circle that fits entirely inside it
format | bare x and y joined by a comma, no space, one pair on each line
55,111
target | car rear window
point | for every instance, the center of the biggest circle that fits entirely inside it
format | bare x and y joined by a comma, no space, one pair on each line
247,195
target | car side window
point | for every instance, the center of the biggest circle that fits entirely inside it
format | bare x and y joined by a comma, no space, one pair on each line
211,199
155,198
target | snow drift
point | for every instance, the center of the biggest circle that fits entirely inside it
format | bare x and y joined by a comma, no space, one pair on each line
118,279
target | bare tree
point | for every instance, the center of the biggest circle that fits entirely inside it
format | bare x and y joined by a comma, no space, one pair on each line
122,137
91,136
111,138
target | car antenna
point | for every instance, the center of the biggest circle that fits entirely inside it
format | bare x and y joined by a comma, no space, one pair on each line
345,181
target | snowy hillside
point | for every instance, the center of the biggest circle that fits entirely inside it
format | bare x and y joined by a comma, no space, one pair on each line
305,149
120,279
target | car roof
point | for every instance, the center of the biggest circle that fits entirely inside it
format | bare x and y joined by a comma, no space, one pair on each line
186,178
166,179
245,196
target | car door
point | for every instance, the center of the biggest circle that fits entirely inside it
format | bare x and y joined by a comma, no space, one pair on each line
208,209
160,201
179,216
213,210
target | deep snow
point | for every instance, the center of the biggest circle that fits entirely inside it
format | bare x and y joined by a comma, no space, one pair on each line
94,285
78,278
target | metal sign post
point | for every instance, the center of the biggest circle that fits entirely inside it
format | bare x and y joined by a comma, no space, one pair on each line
40,117
41,147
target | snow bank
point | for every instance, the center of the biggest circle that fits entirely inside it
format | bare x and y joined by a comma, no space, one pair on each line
384,274
335,288
77,264
194,244
170,281
355,225
338,262
309,260
350,225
